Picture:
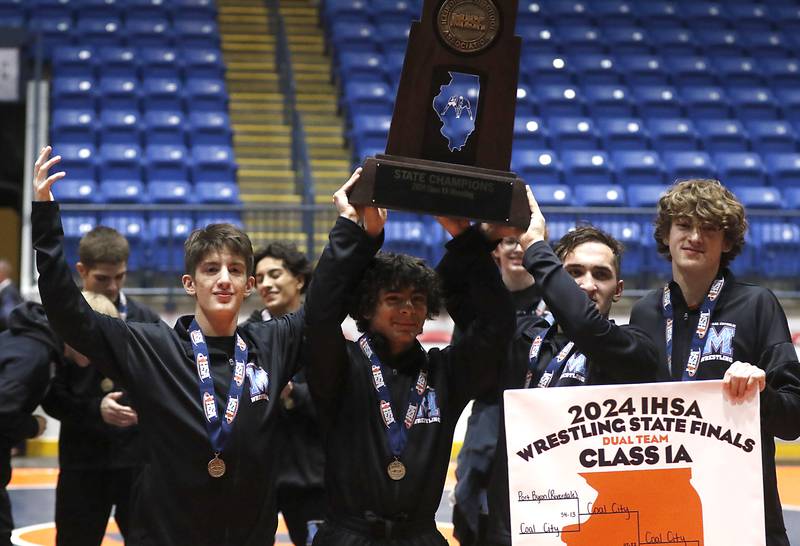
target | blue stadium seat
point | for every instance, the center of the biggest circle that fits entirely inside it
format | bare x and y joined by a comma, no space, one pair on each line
363,67
73,126
164,127
120,127
573,134
201,94
573,12
673,134
74,93
690,71
529,132
122,191
608,101
393,35
638,167
159,62
545,70
641,70
623,133
143,8
683,165
71,190
753,103
537,166
194,9
789,100
396,11
586,167
167,232
134,227
740,168
209,128
629,233
701,15
626,40
77,159
671,40
371,126
749,16
738,72
599,195
220,193
759,197
783,169
345,11
213,164
786,16
98,30
218,217
74,62
657,101
557,100
720,43
118,62
705,103
579,40
781,72
346,36
99,9
163,94
595,70
645,195
120,162
780,244
408,235
147,30
725,135
75,226
119,93
772,137
201,33
56,29
368,99
202,63
527,101
169,192
791,198
615,12
537,38
551,195
166,162
12,15
766,44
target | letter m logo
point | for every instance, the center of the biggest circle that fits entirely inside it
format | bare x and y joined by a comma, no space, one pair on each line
720,341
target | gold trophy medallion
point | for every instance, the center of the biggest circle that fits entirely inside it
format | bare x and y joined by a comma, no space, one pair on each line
468,26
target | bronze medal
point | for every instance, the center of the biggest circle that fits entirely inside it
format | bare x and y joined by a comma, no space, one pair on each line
396,470
107,385
216,467
468,26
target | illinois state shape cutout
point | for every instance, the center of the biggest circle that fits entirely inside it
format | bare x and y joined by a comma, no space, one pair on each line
457,108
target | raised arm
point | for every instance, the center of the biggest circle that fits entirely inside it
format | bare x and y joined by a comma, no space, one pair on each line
348,252
100,338
634,355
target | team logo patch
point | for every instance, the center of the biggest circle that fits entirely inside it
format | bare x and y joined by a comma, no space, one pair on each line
202,367
210,407
694,361
536,346
238,373
716,288
240,342
259,382
702,324
365,348
377,377
719,342
422,382
411,414
232,409
386,412
197,337
428,409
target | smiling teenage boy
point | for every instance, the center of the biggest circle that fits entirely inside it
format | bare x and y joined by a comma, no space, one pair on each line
709,325
388,407
207,393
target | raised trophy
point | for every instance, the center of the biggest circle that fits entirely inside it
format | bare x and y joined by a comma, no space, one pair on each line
449,147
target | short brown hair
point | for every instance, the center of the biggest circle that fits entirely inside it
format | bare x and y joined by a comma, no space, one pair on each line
707,201
589,234
103,245
216,237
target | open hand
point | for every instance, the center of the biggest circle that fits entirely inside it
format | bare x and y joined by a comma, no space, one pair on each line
41,181
537,229
116,414
372,218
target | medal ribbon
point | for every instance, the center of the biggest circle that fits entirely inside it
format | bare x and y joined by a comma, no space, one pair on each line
696,347
543,380
218,428
397,434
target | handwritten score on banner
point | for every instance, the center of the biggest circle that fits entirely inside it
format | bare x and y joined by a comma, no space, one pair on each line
626,465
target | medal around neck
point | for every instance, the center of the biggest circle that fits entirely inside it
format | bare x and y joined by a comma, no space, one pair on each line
216,467
396,470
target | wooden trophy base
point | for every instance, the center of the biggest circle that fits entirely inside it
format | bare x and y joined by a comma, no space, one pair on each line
442,189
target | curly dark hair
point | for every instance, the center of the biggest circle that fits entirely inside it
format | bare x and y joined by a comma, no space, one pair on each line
294,260
390,271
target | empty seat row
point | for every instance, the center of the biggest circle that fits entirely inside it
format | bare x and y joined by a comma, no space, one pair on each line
138,62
